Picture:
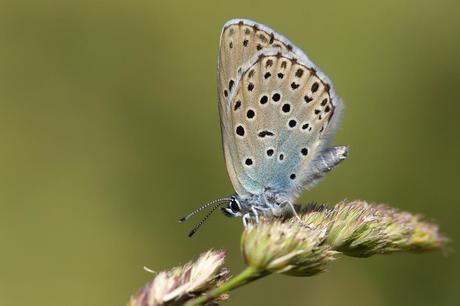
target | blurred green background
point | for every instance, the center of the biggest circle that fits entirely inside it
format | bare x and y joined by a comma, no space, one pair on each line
109,132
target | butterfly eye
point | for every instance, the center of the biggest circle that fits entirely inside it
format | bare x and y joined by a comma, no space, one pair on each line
235,206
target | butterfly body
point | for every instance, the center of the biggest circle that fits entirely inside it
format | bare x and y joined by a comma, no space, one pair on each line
266,203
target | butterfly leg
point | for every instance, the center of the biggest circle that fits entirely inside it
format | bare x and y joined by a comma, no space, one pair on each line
255,214
294,211
246,217
252,215
297,215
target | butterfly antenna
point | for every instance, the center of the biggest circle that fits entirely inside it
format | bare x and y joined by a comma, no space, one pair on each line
195,229
217,201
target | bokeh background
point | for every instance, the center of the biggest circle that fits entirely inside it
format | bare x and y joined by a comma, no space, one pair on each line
109,131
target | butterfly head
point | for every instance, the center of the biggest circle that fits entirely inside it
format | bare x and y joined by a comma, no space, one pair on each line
234,207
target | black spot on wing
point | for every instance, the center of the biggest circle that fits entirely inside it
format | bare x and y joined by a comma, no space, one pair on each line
265,133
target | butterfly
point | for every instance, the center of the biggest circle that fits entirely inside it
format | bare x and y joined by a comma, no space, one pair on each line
278,112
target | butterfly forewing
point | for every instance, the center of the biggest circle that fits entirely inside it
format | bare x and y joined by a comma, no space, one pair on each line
240,40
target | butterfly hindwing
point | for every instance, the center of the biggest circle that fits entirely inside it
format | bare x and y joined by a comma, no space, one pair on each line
280,109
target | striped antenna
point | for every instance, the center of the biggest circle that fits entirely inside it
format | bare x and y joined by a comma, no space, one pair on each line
195,229
217,202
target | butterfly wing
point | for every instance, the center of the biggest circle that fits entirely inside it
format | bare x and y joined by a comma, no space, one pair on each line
277,112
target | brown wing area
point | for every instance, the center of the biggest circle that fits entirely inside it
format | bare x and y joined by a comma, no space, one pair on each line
239,42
